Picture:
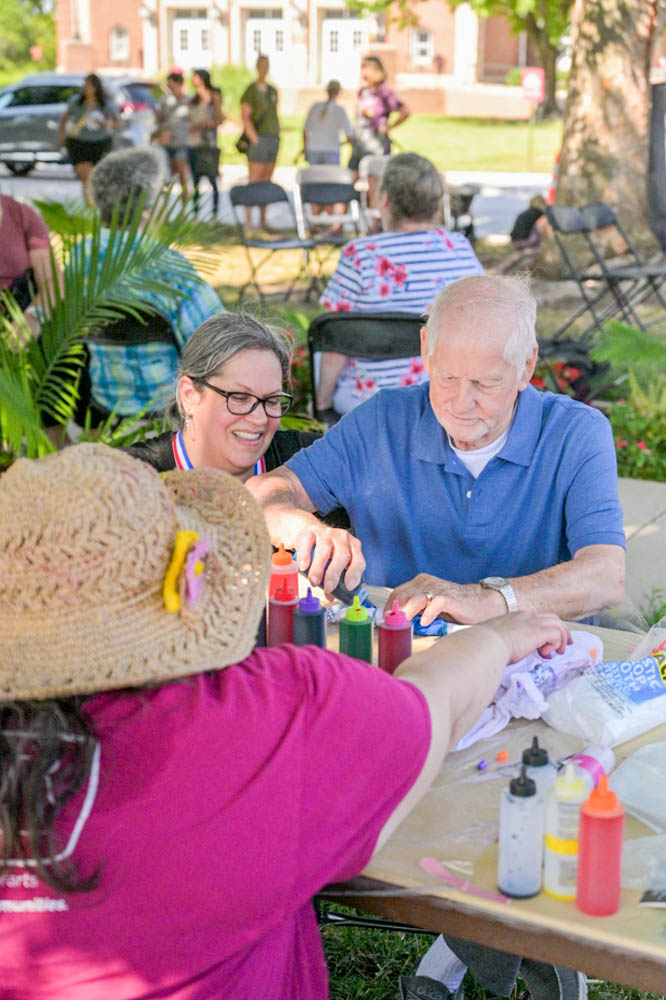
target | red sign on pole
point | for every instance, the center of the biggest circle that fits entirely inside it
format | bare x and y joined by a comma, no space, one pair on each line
532,80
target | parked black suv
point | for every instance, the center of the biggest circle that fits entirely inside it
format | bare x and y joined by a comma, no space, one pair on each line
31,109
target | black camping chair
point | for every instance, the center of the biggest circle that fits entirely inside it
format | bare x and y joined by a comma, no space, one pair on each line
650,275
148,328
379,336
262,194
319,194
606,291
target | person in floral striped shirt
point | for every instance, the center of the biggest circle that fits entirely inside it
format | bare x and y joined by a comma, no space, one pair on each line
402,268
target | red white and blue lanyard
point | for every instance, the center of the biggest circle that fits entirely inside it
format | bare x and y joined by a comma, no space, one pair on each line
183,460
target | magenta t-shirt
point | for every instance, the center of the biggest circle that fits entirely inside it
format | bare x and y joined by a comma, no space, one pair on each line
218,806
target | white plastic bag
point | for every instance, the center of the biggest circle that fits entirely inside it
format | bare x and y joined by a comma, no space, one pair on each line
612,702
639,784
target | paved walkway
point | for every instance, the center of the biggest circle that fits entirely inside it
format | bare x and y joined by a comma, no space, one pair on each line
644,505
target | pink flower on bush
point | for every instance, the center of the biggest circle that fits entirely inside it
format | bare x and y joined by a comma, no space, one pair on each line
643,447
621,444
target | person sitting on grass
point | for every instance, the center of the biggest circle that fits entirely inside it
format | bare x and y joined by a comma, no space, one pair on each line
171,800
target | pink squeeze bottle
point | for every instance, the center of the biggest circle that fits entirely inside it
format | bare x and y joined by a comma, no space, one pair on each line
600,851
394,637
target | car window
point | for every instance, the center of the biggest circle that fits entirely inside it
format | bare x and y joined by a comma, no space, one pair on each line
40,94
6,99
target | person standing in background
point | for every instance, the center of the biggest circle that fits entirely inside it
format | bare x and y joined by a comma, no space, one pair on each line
261,125
173,119
205,116
85,128
321,133
375,104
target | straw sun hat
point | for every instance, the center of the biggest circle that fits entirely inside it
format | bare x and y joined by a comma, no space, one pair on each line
92,544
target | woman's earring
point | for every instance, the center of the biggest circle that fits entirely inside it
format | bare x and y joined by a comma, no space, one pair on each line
187,420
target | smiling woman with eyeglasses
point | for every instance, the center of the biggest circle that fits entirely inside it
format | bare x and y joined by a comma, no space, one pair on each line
228,402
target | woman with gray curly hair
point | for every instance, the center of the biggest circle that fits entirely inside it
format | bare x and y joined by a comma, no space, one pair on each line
401,269
228,402
128,377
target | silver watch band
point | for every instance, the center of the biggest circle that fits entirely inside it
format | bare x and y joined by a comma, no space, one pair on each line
509,596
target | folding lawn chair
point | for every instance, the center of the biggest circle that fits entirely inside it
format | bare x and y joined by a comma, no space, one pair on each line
260,194
650,275
457,208
379,336
311,193
606,291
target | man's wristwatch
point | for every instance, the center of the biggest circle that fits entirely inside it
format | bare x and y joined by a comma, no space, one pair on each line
505,589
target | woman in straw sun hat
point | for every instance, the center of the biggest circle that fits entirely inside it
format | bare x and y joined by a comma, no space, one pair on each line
166,822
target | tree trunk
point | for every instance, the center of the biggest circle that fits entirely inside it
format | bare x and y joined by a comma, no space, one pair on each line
547,58
605,143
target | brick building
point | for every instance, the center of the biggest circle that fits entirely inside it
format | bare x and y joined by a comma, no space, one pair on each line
437,65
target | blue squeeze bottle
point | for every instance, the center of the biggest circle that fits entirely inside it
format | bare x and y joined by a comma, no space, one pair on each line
309,622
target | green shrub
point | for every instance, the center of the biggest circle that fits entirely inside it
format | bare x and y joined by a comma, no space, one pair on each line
640,440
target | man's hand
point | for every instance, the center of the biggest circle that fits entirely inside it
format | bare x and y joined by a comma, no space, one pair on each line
432,597
329,552
525,631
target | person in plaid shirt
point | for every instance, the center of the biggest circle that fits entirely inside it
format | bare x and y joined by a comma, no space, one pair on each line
127,378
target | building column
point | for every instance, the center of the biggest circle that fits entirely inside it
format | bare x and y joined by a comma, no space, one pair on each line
465,45
149,37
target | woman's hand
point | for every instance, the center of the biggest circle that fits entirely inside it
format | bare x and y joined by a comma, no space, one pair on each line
525,631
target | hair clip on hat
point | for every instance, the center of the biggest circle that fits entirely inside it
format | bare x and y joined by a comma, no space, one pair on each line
186,567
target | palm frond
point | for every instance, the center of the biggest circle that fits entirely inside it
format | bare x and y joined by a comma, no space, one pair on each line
108,272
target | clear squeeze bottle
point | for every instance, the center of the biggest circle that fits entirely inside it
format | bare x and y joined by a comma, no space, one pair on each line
600,851
520,838
284,571
539,767
394,639
356,632
563,804
309,622
593,761
281,616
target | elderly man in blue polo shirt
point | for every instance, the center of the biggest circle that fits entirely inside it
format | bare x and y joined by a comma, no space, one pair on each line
472,495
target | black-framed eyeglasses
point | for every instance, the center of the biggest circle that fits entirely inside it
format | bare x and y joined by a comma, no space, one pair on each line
240,403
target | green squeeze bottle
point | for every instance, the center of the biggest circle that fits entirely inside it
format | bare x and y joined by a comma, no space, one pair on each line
356,632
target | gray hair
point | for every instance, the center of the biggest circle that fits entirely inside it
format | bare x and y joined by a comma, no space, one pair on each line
489,294
123,177
215,342
413,187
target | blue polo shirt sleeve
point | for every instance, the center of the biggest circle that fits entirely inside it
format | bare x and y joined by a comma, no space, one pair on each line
592,510
331,469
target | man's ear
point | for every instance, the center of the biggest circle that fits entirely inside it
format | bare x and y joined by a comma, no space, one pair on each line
424,349
528,370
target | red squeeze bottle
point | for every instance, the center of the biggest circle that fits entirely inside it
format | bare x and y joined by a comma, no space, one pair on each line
284,572
281,616
394,638
600,851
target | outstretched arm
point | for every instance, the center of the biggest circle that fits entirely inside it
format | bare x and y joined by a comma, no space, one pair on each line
459,676
289,514
591,581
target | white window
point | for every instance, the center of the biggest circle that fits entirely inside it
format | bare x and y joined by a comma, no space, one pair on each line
204,40
423,47
119,44
256,40
333,42
183,38
279,40
357,39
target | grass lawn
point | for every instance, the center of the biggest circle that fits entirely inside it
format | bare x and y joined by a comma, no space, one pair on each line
451,143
